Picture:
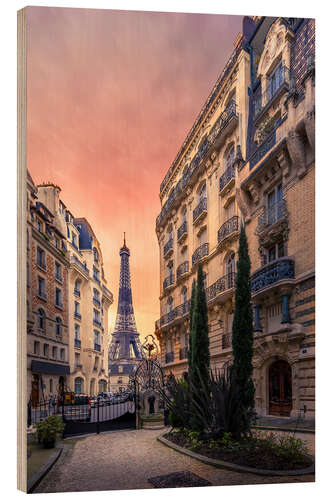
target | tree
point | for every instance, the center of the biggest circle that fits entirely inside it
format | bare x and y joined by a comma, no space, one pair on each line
192,307
199,357
242,327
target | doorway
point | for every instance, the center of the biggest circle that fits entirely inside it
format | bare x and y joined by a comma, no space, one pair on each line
280,389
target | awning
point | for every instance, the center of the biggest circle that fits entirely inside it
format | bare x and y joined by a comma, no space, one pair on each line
52,368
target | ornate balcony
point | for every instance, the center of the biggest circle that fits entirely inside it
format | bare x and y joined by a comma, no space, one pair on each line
221,285
265,100
200,210
227,176
77,315
272,273
230,227
81,266
97,322
77,292
168,281
96,301
97,347
273,214
77,343
168,248
182,269
223,123
183,352
182,231
263,149
177,312
200,252
169,357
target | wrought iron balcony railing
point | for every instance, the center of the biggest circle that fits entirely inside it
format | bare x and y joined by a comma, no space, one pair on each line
218,127
182,230
263,149
182,269
169,280
97,347
183,352
169,357
77,343
77,315
200,252
97,322
168,246
263,101
226,177
272,214
229,227
283,268
221,285
200,209
77,292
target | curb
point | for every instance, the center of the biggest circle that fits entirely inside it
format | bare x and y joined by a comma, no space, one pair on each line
230,466
41,473
299,430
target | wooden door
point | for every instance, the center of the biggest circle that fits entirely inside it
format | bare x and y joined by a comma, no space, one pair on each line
35,391
280,389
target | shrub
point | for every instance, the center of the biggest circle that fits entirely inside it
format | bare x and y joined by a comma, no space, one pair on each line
50,428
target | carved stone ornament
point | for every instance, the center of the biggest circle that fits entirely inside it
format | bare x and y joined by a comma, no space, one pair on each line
284,163
272,235
296,151
310,128
253,188
274,45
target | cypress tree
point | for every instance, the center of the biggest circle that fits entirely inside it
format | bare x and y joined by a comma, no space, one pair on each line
242,328
199,344
191,342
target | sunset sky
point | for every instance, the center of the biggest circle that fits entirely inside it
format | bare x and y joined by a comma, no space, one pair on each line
111,97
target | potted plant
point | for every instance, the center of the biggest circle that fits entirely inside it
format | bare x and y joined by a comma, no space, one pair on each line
48,429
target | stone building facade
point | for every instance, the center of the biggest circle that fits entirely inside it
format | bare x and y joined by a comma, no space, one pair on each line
67,299
249,157
47,301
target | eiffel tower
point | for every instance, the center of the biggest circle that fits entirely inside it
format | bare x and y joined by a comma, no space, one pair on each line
125,351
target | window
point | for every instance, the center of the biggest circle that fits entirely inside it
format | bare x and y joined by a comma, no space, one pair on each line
77,332
77,287
275,205
78,385
202,192
54,352
96,363
46,350
96,337
229,157
41,287
58,297
276,251
41,258
97,317
169,304
39,225
62,354
275,81
56,242
77,359
74,240
36,348
96,258
184,295
41,319
58,271
58,325
96,274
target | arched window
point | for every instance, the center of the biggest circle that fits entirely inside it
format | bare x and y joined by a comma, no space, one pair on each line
102,386
184,294
58,325
169,304
41,319
78,385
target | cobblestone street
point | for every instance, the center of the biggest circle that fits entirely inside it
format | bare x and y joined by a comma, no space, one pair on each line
126,459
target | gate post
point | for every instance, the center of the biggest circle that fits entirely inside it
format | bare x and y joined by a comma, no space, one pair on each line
97,426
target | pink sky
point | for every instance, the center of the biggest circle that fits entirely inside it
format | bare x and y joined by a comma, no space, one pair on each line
111,97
